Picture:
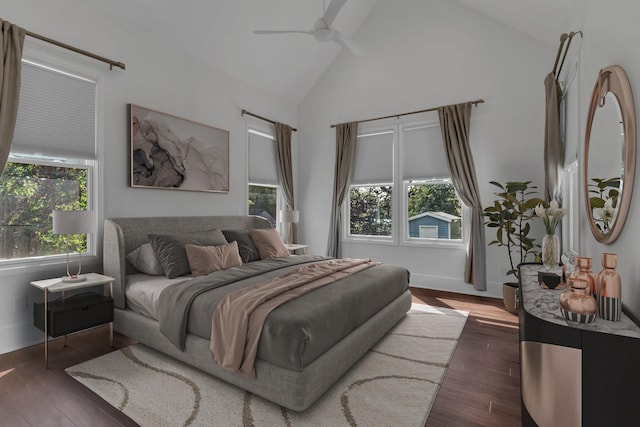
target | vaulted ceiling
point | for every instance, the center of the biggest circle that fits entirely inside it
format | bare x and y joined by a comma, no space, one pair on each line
220,32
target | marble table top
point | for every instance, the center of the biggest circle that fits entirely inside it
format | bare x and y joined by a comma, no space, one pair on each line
545,304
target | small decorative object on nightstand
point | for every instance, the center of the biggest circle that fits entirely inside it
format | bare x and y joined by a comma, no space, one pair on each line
73,222
72,314
288,217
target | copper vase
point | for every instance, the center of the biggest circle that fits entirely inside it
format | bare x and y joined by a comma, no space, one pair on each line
577,304
583,271
609,289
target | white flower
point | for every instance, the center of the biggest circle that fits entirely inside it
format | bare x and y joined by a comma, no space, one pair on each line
608,205
551,216
605,213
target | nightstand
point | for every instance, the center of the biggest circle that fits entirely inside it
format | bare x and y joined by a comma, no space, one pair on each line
294,248
75,313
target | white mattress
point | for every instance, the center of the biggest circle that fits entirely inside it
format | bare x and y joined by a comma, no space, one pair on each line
143,291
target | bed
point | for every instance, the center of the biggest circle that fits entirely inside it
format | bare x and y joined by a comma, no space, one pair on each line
299,356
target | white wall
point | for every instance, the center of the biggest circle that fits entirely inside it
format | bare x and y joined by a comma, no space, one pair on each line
423,54
156,77
611,34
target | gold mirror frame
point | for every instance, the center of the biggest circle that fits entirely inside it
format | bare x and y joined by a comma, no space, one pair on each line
613,80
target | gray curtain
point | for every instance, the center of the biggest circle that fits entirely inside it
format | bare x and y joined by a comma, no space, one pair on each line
346,136
285,174
454,122
12,41
553,150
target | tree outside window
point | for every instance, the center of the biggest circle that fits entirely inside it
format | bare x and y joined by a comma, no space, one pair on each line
263,201
29,193
370,210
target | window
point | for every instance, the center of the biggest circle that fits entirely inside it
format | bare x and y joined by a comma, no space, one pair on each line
370,210
51,165
263,201
29,193
264,192
433,204
409,157
371,193
430,198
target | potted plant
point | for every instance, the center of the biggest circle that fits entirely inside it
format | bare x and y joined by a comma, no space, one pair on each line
510,216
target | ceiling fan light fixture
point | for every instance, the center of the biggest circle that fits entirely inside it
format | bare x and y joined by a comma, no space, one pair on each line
323,30
324,34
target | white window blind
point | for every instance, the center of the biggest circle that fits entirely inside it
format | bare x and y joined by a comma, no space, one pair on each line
423,153
56,114
374,159
262,159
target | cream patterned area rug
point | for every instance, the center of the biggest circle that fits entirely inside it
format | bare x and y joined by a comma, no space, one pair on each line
394,384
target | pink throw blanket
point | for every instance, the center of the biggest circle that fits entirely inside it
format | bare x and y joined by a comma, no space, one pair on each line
238,320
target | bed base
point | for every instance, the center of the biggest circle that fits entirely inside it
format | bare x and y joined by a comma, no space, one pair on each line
295,390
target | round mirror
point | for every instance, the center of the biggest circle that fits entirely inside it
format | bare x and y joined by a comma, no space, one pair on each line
609,154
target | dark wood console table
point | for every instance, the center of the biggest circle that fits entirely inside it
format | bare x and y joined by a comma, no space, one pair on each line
574,374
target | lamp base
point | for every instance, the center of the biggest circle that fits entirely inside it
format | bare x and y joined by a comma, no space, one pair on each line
73,279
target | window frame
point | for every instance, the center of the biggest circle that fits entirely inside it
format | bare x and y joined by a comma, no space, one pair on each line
372,130
368,237
268,133
43,55
278,200
399,200
425,241
92,246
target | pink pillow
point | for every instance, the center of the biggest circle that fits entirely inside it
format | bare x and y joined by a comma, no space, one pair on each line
269,243
207,259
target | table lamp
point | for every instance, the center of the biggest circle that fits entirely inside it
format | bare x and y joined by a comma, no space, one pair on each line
288,216
73,222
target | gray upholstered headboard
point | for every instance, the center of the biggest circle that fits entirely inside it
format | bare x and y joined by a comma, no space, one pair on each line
122,235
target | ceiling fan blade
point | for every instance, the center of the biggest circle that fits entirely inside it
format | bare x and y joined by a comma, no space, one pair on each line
332,11
281,32
347,43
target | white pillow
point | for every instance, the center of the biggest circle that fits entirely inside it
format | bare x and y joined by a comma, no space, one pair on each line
144,260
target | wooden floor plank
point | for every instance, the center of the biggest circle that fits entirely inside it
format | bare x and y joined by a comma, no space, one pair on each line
481,387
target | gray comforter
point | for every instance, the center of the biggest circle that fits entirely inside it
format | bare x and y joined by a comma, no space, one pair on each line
296,333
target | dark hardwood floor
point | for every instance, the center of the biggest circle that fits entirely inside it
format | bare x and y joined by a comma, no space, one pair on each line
481,387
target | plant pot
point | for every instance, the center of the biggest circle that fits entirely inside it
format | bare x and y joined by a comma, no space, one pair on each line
510,297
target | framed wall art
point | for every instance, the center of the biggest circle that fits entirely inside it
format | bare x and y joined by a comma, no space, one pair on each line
170,152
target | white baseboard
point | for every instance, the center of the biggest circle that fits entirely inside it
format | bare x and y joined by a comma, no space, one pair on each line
18,336
450,284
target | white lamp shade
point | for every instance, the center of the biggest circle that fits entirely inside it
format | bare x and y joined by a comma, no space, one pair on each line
72,222
288,216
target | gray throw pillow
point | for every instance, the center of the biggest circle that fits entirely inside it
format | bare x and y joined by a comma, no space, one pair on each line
170,251
145,261
246,247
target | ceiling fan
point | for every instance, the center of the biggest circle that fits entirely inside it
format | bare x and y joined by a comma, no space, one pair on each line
323,31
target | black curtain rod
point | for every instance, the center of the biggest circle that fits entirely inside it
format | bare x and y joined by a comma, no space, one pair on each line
476,102
111,63
263,118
